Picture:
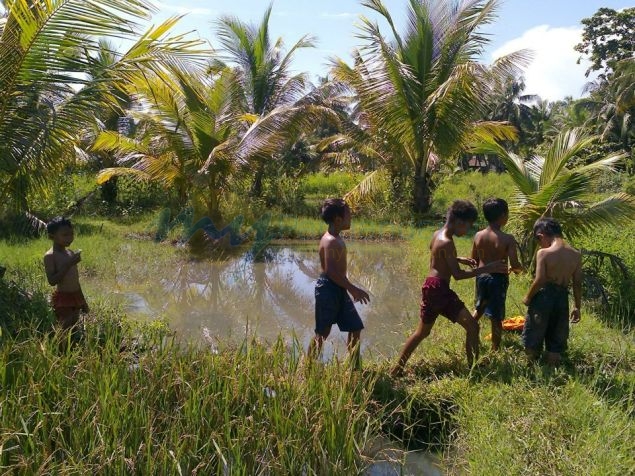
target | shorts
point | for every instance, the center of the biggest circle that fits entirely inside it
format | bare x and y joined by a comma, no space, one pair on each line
67,306
437,298
491,292
548,319
333,305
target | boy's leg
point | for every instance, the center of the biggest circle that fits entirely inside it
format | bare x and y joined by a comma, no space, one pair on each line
353,348
315,347
67,317
553,359
411,344
467,321
497,332
67,322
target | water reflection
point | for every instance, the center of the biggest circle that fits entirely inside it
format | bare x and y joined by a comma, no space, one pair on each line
235,296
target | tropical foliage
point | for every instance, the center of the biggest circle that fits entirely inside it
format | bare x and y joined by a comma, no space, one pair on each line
187,139
49,87
559,186
270,94
421,93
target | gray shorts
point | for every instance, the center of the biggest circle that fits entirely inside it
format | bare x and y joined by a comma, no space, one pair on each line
548,320
333,305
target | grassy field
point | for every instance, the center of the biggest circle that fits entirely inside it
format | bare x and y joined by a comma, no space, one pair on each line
189,409
132,399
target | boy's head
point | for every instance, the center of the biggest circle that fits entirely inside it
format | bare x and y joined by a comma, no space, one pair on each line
461,215
545,230
60,230
496,211
336,211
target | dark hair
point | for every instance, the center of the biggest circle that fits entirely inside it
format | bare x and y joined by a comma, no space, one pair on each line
494,208
547,226
331,208
57,223
462,210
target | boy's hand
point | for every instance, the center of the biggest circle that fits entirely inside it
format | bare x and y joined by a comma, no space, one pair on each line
526,301
76,258
359,295
575,316
472,263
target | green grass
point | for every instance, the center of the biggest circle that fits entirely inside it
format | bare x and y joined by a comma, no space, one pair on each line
176,410
163,408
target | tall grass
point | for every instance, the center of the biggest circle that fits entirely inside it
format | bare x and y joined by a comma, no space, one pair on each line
178,410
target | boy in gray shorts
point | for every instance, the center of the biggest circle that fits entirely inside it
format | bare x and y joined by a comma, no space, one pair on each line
557,265
333,305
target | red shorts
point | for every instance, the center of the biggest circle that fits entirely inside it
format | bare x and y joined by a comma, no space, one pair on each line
63,299
437,298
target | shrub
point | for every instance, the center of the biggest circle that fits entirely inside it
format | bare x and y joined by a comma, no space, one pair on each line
473,186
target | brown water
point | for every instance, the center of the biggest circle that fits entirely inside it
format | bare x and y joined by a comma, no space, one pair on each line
231,298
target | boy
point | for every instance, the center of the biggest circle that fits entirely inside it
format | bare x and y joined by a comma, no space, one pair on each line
332,302
557,265
436,295
60,264
492,244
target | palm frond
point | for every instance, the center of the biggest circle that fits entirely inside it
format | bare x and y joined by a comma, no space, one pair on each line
370,184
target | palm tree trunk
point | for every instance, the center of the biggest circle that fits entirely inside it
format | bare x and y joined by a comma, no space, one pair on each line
109,190
256,186
422,191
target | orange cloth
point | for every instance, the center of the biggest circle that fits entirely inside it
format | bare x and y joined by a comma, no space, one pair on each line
515,323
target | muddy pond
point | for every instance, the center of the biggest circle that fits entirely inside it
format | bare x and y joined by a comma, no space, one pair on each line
237,295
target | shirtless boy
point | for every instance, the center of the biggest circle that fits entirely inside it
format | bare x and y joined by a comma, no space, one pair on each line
436,295
332,302
490,245
60,264
557,265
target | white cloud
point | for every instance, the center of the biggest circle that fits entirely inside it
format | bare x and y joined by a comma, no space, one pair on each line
553,73
185,8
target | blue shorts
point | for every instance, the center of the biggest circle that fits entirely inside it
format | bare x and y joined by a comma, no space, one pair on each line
491,292
548,319
333,305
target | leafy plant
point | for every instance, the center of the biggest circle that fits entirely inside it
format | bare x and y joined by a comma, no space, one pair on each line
558,186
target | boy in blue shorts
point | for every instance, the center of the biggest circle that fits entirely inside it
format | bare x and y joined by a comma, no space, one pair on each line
332,302
493,245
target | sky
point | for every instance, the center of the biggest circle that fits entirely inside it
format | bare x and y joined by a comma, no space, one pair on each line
551,28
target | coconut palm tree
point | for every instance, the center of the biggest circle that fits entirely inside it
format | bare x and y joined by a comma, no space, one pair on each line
559,186
48,94
421,93
271,93
188,139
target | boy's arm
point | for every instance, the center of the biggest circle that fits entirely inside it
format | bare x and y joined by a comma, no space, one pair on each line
577,292
333,253
539,280
452,261
55,275
515,265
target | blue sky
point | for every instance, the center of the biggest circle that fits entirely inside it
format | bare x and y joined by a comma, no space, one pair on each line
550,28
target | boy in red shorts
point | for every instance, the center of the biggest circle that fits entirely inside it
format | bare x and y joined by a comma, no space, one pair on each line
60,264
436,295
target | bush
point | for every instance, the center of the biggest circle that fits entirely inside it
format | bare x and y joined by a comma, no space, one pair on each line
335,184
628,185
473,186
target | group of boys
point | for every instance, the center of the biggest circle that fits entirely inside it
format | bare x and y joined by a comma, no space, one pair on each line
494,256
